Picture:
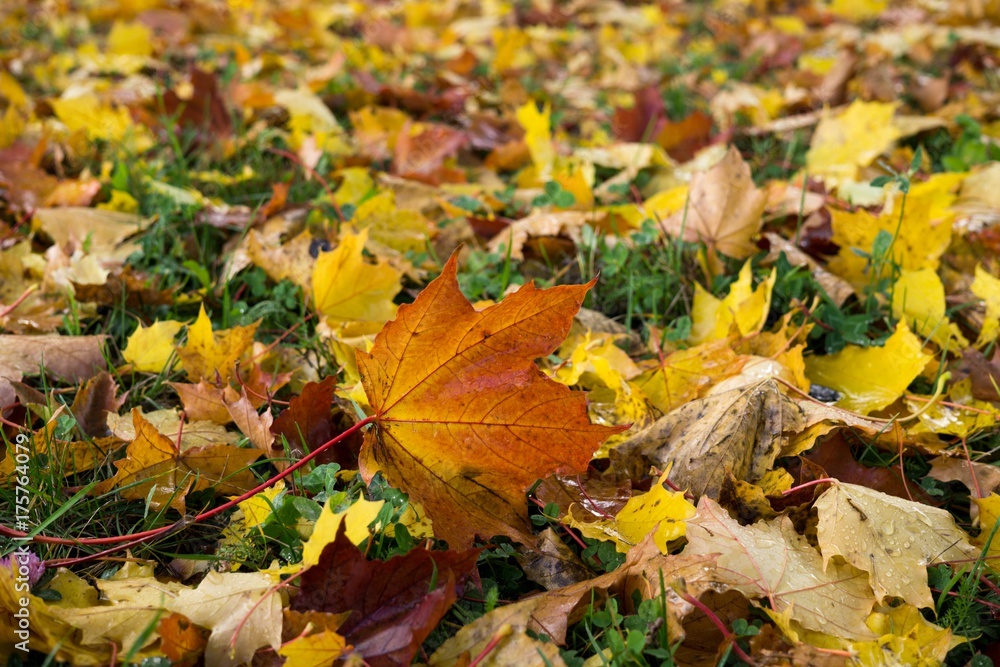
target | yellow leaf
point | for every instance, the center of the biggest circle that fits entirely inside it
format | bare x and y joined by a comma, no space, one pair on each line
953,419
346,287
85,114
358,516
257,508
207,353
130,39
892,539
538,137
906,635
989,514
149,348
316,650
918,296
399,228
987,288
355,184
743,309
120,201
924,232
852,139
659,509
870,378
687,374
858,10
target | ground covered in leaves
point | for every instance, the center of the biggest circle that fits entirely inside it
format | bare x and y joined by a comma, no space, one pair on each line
467,332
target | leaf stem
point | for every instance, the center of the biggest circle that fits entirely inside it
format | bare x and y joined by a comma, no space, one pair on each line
137,538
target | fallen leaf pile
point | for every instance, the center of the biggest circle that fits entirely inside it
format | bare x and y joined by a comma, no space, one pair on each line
499,333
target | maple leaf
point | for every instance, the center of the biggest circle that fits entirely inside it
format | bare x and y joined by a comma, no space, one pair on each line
394,604
208,353
918,296
851,139
317,643
69,358
242,610
739,431
465,421
893,539
687,374
987,288
744,309
772,561
724,209
870,378
155,468
345,287
150,349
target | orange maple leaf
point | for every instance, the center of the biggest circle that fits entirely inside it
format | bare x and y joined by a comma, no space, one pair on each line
157,469
465,421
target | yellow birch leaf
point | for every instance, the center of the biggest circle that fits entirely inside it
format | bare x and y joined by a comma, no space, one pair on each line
987,288
346,287
149,348
870,378
918,296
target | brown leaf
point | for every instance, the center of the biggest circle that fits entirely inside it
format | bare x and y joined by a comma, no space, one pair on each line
422,157
93,402
393,607
834,455
947,469
684,138
985,374
68,358
597,496
724,209
256,427
203,401
554,611
551,563
643,120
308,422
738,431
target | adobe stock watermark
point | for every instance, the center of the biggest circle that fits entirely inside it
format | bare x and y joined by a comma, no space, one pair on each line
25,566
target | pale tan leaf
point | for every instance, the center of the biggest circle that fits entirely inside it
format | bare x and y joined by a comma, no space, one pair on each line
770,560
892,539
